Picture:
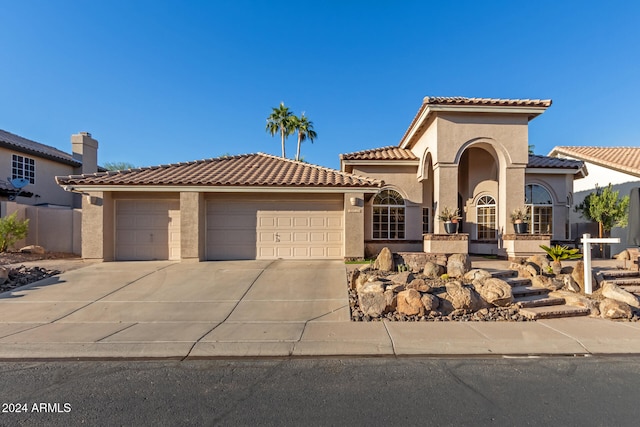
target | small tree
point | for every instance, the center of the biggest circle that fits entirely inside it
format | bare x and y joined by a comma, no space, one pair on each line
118,166
604,207
12,230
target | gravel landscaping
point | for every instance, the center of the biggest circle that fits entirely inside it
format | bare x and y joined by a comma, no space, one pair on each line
19,274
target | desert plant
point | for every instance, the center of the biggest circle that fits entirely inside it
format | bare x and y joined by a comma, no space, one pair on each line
447,214
520,215
558,253
11,230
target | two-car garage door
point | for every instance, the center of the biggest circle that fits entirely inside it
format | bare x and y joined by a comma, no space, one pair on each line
290,229
236,228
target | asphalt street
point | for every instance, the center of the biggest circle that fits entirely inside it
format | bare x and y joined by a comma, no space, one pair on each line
586,391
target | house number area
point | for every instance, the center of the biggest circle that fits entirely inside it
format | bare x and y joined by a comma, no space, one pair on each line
15,408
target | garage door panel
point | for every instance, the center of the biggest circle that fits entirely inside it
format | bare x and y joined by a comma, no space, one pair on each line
147,229
274,229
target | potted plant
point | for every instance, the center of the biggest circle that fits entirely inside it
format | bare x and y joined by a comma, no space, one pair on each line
520,218
558,253
450,218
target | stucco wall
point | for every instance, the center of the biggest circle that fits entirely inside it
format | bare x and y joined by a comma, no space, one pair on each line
45,185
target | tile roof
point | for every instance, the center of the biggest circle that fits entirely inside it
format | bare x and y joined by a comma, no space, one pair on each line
546,162
461,100
384,153
464,101
622,159
259,169
27,146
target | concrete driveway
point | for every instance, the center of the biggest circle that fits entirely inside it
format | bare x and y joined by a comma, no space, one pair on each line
172,308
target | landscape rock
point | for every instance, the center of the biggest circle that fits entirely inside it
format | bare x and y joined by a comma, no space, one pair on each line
395,287
623,256
495,291
613,309
476,275
577,300
353,279
409,303
33,249
524,271
430,302
459,296
546,282
384,261
615,292
371,287
365,267
540,261
391,301
372,304
4,275
432,270
419,285
578,274
570,284
401,278
458,265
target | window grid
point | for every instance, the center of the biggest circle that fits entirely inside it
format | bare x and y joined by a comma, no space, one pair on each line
388,215
23,167
425,220
539,201
486,219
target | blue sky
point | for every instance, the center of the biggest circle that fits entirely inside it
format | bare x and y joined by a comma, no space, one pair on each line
160,82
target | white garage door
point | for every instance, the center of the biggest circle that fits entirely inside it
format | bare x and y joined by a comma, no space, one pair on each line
147,229
275,229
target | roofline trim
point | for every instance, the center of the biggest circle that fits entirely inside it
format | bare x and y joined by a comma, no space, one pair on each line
213,189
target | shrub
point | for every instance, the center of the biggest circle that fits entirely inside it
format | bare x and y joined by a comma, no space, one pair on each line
12,230
558,252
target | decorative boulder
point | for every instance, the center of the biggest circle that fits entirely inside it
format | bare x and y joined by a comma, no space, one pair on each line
458,265
522,270
459,296
353,279
391,301
612,309
476,275
578,274
570,284
33,249
384,261
4,275
432,270
409,303
577,300
540,261
546,282
430,302
372,299
615,292
419,285
401,278
495,291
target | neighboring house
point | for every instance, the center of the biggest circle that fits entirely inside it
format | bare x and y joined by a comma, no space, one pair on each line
619,166
39,164
470,153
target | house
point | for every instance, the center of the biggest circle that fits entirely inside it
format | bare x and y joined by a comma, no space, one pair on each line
466,153
38,165
619,166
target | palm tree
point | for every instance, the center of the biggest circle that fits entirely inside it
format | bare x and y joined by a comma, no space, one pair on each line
280,121
304,127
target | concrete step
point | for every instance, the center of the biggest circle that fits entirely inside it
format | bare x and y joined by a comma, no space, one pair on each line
615,274
537,301
503,274
518,281
625,281
523,291
553,312
634,289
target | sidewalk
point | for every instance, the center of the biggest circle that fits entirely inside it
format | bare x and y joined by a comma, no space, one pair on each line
255,309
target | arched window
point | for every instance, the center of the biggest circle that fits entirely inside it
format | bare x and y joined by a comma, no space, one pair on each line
540,204
388,215
486,218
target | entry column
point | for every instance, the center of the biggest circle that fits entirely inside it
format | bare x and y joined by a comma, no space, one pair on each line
445,191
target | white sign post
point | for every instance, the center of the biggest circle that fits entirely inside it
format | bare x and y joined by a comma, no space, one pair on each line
586,249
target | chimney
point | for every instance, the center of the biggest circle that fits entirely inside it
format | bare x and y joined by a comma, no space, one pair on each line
85,150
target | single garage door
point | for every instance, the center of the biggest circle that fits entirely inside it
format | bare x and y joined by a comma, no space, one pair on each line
147,230
239,229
